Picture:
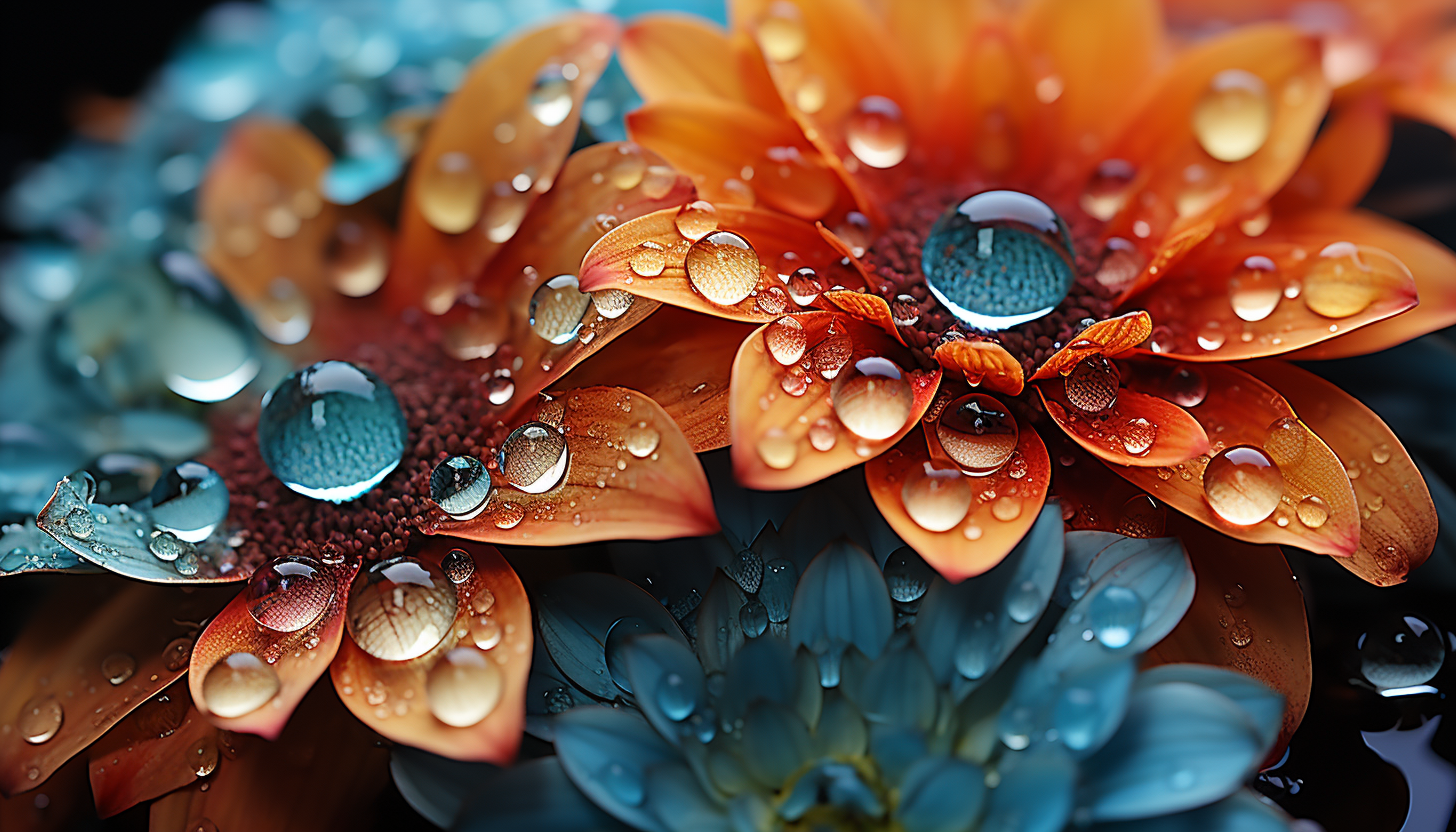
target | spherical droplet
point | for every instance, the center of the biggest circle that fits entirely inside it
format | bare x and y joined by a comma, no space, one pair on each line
1115,615
1023,602
999,259
786,340
753,618
1106,191
872,398
723,268
905,310
40,718
648,260
80,523
460,486
331,431
641,440
534,458
464,687
772,301
289,593
876,132
550,97
557,307
781,32
449,192
1006,508
203,756
177,654
1142,516
777,449
612,303
978,432
1312,511
1401,651
804,286
1285,440
907,575
400,609
823,434
1138,436
458,566
486,632
189,501
1255,289
1233,118
118,667
1346,278
696,220
1186,387
937,499
357,258
1092,385
830,355
1243,485
507,515
1241,634
238,685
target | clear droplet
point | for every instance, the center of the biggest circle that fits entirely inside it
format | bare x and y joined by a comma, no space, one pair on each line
458,566
1092,385
486,632
1142,516
830,355
1241,634
356,258
177,654
550,97
80,523
905,310
648,260
876,132
786,340
289,593
1243,485
1233,118
907,575
203,756
118,667
641,440
557,307
1106,191
1346,278
1023,602
189,501
675,697
463,687
1186,387
238,685
1115,615
781,33
772,301
872,398
696,220
1138,436
753,617
400,609
612,303
534,458
1006,508
723,268
1255,289
1312,512
499,389
460,486
978,432
937,499
1380,454
777,449
450,192
40,718
507,515
823,434
804,286
1285,440
1401,651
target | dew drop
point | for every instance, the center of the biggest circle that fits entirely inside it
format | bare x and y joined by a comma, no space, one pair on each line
449,193
1285,440
1255,289
400,609
499,390
1106,191
723,268
463,687
1023,602
978,432
118,667
40,718
1186,387
872,399
507,515
458,566
1380,454
1346,278
1006,508
177,654
1233,118
1242,635
830,355
696,220
1243,485
1401,651
356,258
641,440
534,458
203,756
804,286
1312,512
1115,615
1138,436
753,618
777,449
460,486
557,307
188,501
1092,385
1142,516
676,697
238,685
781,33
612,303
550,97
876,133
786,340
937,499
823,434
772,301
905,310
648,259
289,593
486,632
80,522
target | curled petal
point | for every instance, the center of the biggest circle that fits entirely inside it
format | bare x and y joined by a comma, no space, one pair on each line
984,364
161,746
1398,519
1344,160
28,549
995,510
629,473
496,145
308,621
1111,337
71,676
653,257
1137,429
1237,409
791,427
866,307
465,697
669,56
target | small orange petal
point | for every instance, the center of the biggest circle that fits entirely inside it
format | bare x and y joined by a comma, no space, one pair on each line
867,307
629,474
1136,429
673,55
983,364
1398,519
962,525
1111,337
466,697
801,407
496,145
260,655
161,746
732,262
1344,160
1247,615
1239,411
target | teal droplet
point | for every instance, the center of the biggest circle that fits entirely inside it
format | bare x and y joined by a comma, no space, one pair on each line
675,697
460,486
1115,616
189,501
754,618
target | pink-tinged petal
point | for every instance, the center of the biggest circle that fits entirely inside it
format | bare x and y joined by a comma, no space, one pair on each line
466,697
1111,337
984,364
819,392
1397,518
1343,162
676,56
264,651
497,144
161,746
629,474
1136,429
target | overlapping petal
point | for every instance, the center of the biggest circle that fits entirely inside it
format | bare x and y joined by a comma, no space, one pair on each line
676,56
1343,161
1111,337
1135,430
161,746
984,364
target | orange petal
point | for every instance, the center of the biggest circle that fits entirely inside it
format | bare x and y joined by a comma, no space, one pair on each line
1137,429
1398,519
983,364
1425,93
1432,264
732,149
728,281
992,121
293,658
1237,409
1111,337
312,778
1301,282
1344,160
161,746
1247,615
630,474
1224,131
674,55
1092,500
994,511
867,307
61,667
787,430
495,146
466,697
930,34
679,359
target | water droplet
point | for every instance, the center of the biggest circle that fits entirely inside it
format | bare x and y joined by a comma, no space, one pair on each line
1092,384
974,648
188,501
777,449
1106,191
696,220
1380,454
624,782
1115,616
1210,336
612,303
1243,485
1346,278
905,310
1242,635
356,258
508,515
1255,289
460,486
486,632
676,697
873,400
937,499
1186,387
499,389
641,440
999,259
534,458
780,577
1401,651
331,431
648,260
289,593
1138,436
723,268
627,171
1233,118
876,132
118,667
1285,440
40,718
463,687
177,653
238,685
80,523
1312,511
830,355
978,432
781,33
772,301
400,609
753,617
786,340
458,566
557,307
1142,516
203,756
804,286
1023,602
450,192
1006,508
550,97
823,434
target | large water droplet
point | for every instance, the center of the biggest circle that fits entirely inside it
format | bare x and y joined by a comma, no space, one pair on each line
450,192
648,260
830,355
753,617
557,307
1115,616
40,718
460,486
907,575
872,398
331,431
723,268
1233,118
786,340
1243,485
876,132
1285,440
458,566
641,440
289,593
937,499
978,433
400,609
1255,289
612,303
777,449
550,97
464,687
238,685
118,667
781,33
1092,385
534,457
1312,511
189,501
1342,281
1023,602
696,220
999,259
1138,436
676,697
1106,191
357,258
1401,651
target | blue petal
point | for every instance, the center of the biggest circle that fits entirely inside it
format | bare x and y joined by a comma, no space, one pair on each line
727,772
667,681
1243,812
1082,547
1035,792
895,750
841,731
535,795
576,612
435,786
775,743
898,687
720,633
680,804
805,535
842,600
941,795
1181,746
967,629
834,784
751,813
1263,706
762,669
549,692
607,754
808,693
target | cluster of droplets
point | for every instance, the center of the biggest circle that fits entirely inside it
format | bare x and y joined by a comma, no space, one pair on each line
533,459
1090,387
